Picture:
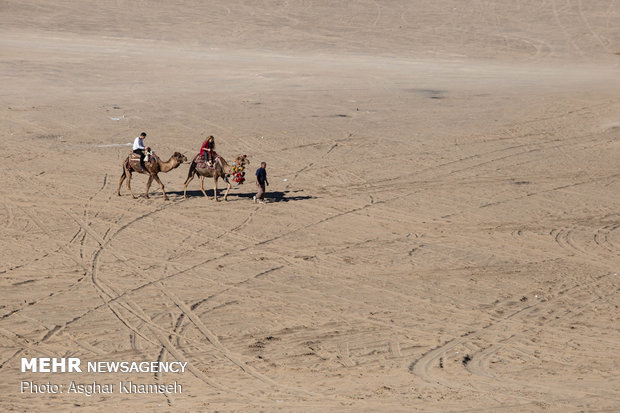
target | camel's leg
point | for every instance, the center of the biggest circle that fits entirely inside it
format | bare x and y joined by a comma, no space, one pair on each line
187,181
161,185
129,183
215,188
190,176
185,187
148,185
120,181
227,189
191,172
202,188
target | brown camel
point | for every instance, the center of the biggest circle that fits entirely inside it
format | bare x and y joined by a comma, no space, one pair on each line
221,170
154,166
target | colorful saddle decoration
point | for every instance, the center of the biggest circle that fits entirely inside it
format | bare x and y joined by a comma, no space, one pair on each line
238,173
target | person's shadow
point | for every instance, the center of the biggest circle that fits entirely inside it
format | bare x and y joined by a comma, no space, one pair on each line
279,196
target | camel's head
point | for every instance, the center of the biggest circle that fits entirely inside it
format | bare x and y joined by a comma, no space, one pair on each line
179,157
242,160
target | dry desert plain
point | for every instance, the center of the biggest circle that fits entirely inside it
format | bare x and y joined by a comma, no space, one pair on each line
443,231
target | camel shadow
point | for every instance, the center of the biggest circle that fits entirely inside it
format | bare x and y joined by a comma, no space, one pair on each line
195,193
270,196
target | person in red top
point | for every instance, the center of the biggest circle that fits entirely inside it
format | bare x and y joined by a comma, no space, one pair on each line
207,149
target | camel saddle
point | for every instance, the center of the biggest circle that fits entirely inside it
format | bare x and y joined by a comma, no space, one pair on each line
134,160
201,162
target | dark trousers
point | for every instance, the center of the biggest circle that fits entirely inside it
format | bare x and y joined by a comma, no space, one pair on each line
261,191
141,153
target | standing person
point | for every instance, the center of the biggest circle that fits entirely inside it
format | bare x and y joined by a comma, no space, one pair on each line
138,147
261,181
207,149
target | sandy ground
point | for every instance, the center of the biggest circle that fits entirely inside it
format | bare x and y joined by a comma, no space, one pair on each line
443,231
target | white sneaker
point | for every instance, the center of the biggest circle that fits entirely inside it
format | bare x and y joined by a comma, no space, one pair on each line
254,198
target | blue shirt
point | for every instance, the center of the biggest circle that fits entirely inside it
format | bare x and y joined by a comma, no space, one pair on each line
261,175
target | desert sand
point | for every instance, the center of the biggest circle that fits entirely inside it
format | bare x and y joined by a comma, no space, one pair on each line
443,225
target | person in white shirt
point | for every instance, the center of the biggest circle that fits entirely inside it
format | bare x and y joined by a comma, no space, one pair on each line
138,147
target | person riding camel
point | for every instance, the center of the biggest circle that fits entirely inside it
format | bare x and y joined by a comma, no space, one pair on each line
138,147
207,150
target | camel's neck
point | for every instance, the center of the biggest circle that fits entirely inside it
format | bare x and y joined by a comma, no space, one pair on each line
225,167
169,165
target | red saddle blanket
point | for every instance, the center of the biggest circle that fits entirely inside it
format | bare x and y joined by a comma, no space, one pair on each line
201,162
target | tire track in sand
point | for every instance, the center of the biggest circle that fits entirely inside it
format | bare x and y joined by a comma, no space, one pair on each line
112,294
104,289
422,366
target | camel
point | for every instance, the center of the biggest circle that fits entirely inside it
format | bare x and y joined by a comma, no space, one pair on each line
153,167
222,170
